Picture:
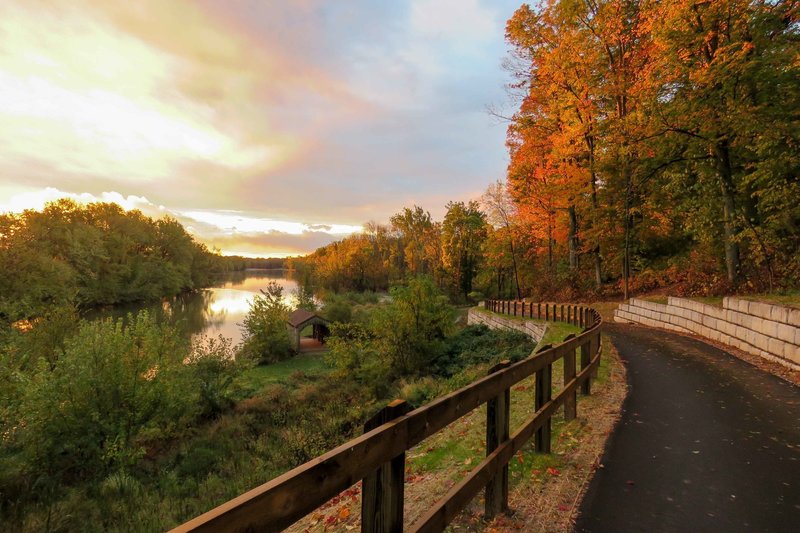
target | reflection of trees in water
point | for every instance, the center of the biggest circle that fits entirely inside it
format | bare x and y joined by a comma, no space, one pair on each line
193,313
189,313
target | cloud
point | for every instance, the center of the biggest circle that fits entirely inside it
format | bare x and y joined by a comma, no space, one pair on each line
312,113
37,199
459,22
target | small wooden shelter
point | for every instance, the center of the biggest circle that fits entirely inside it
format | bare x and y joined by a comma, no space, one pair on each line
302,318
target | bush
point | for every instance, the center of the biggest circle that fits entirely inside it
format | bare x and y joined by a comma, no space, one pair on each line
113,388
477,344
213,369
338,310
411,329
266,337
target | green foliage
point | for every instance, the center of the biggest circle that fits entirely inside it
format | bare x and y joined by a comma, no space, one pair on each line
410,330
265,334
477,345
463,233
355,353
112,389
214,370
337,310
47,338
305,298
94,254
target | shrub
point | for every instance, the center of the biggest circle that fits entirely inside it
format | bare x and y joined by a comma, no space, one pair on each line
266,337
113,387
213,368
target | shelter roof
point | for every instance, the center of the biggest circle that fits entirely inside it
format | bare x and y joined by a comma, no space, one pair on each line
302,316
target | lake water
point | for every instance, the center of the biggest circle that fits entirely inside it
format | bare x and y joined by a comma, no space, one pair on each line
217,310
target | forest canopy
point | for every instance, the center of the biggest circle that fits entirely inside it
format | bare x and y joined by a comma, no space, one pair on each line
92,255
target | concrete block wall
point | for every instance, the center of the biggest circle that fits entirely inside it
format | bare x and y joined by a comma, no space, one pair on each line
532,329
768,330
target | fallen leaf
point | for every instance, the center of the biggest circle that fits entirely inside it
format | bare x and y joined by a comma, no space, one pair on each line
344,512
552,471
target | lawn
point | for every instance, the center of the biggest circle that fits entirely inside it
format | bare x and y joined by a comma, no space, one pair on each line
256,378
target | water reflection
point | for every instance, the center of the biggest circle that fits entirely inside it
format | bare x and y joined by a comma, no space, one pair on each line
214,311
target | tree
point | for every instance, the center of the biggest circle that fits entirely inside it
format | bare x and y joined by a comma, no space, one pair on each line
264,330
500,210
410,330
463,233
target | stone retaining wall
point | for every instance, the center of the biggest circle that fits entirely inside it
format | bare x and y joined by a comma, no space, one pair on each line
771,331
532,329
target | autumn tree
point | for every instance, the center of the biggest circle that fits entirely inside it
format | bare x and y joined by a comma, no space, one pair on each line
463,233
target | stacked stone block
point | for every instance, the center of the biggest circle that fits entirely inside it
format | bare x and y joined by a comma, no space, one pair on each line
768,330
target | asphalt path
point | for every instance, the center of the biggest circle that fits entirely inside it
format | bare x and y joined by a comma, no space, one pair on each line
706,442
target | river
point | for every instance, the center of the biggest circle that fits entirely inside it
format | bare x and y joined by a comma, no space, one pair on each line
216,310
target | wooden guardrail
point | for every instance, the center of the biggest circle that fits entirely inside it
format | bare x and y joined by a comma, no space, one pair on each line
378,456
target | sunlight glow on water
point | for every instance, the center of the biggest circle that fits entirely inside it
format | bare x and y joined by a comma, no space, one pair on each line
214,311
228,304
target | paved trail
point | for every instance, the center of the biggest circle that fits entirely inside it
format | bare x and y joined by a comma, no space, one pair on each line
706,443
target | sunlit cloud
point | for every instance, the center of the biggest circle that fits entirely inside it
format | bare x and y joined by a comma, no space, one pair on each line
266,128
37,199
233,222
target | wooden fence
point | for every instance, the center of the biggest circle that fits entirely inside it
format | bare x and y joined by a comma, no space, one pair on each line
378,456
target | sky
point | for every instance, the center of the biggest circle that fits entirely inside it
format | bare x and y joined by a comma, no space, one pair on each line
268,128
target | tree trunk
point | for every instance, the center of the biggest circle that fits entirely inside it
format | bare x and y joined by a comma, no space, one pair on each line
626,257
550,243
573,238
514,265
598,265
731,230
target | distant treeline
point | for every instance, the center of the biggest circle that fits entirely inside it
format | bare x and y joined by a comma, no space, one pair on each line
95,254
237,262
412,244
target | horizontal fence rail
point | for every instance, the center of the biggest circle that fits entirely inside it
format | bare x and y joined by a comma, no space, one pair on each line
378,456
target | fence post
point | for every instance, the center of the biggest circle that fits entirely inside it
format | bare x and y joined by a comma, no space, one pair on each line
547,312
523,309
586,350
515,308
382,490
595,348
571,401
497,431
544,392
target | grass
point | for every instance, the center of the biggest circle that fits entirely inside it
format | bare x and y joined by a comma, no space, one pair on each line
510,317
257,378
655,298
791,299
557,332
709,300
